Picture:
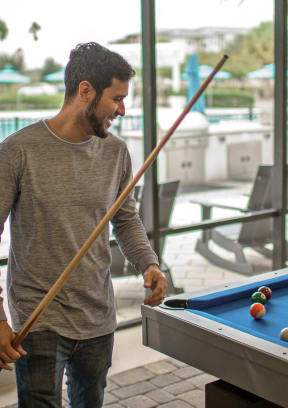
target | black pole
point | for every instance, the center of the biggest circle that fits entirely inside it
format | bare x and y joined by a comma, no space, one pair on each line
280,134
151,202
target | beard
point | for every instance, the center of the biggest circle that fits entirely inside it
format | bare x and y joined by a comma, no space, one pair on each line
96,124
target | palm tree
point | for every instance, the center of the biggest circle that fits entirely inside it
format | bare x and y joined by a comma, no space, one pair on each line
35,27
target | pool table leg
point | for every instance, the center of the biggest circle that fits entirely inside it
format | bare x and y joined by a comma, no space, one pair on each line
220,394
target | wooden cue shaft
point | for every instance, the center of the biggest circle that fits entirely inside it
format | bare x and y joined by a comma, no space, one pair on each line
64,276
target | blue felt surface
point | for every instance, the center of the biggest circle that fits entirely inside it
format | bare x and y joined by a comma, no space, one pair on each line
231,307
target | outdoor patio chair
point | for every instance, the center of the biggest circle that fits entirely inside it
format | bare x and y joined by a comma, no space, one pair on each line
167,194
236,237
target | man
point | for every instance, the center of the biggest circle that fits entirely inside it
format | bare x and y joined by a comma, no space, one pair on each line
58,178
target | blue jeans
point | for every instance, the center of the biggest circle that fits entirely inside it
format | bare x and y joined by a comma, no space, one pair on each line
39,375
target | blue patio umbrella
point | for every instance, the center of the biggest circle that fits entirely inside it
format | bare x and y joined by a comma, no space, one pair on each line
57,76
193,78
205,71
8,75
266,72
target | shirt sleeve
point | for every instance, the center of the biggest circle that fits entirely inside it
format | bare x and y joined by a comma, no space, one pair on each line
8,194
128,229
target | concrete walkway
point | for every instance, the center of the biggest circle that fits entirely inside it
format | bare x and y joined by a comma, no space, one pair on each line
166,383
141,377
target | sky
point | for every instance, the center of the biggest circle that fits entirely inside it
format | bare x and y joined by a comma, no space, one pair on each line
66,23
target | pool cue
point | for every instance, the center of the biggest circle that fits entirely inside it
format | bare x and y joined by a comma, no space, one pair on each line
20,336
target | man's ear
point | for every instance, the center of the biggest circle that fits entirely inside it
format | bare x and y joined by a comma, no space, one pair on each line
86,91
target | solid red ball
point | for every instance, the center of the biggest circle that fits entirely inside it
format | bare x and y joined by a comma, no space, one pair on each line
266,290
257,310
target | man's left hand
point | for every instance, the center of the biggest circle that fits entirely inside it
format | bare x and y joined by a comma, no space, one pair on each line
156,281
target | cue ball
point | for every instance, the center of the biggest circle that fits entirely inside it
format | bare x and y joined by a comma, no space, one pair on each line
258,297
266,290
284,334
257,310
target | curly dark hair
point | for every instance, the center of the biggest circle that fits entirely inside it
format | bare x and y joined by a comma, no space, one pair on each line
96,64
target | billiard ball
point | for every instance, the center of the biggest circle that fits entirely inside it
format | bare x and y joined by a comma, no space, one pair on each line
284,334
266,290
257,310
258,297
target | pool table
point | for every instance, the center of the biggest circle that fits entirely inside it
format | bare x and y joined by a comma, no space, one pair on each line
213,331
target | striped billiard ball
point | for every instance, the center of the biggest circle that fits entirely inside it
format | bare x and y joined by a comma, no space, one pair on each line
257,310
284,334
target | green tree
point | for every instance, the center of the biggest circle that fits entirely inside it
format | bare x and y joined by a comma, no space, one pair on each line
3,30
252,51
35,27
50,65
259,42
16,60
246,53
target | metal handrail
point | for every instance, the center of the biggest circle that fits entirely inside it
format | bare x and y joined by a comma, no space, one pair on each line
251,216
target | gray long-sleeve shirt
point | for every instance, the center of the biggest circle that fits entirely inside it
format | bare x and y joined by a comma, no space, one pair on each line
56,193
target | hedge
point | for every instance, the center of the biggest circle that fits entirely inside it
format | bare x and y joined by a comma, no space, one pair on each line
10,101
228,98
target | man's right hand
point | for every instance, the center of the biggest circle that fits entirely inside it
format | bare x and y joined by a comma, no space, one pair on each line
8,354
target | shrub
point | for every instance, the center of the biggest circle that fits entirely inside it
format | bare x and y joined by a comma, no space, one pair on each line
228,98
11,101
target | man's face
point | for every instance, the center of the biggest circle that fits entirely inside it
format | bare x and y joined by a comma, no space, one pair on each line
101,112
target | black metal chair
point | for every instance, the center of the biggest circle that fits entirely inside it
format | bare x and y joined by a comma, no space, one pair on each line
236,237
